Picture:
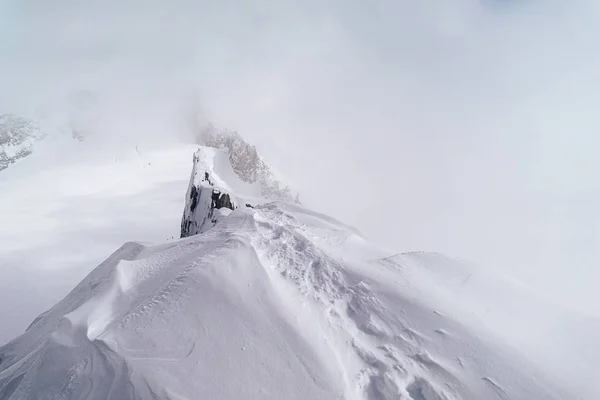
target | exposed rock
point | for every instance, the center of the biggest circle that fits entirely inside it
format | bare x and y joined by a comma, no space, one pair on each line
17,137
205,203
246,162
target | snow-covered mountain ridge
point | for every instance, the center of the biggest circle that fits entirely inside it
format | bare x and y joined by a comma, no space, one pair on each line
247,164
275,301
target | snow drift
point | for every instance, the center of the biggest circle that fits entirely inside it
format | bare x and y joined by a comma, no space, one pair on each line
274,301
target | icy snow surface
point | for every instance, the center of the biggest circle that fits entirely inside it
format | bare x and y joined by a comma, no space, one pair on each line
280,302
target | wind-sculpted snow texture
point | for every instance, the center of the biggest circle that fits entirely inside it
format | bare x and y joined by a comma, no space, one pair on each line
272,301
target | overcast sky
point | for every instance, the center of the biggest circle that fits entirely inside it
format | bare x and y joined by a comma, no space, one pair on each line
468,127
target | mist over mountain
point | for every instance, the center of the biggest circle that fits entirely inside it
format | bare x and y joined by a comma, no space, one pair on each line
441,132
486,105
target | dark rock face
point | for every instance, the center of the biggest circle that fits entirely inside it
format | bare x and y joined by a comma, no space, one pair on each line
245,161
17,136
221,200
202,201
194,198
207,178
186,226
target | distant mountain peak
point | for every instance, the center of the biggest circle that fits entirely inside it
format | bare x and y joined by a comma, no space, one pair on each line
17,138
205,202
247,163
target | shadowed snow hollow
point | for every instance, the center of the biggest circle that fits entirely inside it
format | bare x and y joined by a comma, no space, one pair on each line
274,301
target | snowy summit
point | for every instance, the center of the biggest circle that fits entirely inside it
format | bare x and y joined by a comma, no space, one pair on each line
263,298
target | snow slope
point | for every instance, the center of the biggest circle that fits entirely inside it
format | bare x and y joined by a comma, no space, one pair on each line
69,204
278,302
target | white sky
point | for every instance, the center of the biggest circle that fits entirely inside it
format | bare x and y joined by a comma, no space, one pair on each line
467,127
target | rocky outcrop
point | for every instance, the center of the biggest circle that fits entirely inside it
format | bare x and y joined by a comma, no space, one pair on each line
246,162
17,137
205,203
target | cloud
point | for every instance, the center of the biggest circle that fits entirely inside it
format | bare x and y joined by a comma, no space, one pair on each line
467,127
